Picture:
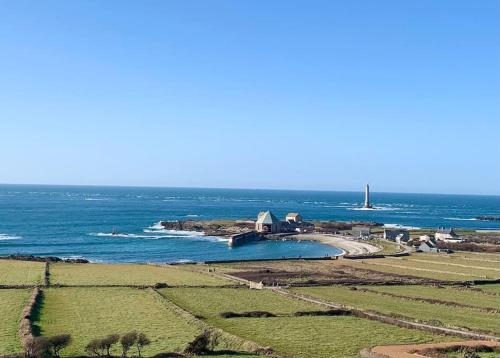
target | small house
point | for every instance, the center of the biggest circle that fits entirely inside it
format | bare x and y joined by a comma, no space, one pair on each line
267,223
447,235
396,235
428,246
295,218
361,232
425,238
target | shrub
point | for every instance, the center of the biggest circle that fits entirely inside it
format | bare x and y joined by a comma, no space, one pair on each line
141,341
59,342
36,347
337,312
203,343
252,314
95,348
127,341
109,341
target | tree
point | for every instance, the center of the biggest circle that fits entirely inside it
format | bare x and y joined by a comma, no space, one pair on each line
59,342
36,347
109,341
203,343
95,348
141,341
127,341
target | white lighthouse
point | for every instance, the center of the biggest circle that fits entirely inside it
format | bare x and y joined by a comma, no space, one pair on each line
367,198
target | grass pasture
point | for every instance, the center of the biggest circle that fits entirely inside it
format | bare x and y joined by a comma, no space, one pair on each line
14,272
447,294
12,303
93,313
316,336
401,307
129,274
490,288
433,266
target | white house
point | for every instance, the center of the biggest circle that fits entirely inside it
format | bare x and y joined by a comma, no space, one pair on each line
295,218
447,235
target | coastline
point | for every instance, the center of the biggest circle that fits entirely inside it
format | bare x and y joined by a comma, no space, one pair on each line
350,247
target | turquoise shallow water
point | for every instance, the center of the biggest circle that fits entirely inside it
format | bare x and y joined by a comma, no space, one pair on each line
71,221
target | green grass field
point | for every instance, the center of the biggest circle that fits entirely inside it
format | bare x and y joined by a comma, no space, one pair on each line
492,288
448,294
12,303
13,272
387,246
297,336
128,274
92,313
450,317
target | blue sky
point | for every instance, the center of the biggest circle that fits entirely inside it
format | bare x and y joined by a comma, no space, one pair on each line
323,95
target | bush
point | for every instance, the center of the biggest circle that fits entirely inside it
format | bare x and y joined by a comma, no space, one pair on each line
127,341
95,348
203,343
141,341
251,314
337,312
37,347
59,342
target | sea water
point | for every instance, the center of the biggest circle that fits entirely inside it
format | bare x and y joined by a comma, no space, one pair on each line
79,221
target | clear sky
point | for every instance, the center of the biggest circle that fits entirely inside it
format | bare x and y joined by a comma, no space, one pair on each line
325,95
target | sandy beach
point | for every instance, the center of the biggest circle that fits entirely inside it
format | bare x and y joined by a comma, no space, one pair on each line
351,247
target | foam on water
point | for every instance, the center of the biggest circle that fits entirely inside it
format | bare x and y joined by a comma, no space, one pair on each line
5,237
461,219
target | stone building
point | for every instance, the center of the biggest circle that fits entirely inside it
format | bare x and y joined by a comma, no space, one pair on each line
267,223
293,218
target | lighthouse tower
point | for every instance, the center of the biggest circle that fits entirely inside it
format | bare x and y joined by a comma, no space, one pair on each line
367,198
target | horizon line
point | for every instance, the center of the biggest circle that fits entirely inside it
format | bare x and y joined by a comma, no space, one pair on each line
240,188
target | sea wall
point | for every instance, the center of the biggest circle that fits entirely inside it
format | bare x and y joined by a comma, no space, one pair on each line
244,238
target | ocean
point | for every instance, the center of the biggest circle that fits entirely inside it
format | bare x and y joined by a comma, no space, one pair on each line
78,221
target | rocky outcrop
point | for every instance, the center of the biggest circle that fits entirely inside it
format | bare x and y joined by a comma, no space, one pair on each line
43,259
210,227
488,218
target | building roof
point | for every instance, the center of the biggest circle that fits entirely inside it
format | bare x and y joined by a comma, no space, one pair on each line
428,243
267,217
446,231
292,215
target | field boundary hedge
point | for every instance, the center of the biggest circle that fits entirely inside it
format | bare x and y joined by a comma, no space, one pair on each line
231,341
391,320
25,330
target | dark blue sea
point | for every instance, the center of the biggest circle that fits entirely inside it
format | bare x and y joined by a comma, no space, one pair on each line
77,221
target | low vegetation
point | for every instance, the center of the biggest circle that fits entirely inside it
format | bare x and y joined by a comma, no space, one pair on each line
400,307
449,294
123,274
12,303
98,312
300,336
14,272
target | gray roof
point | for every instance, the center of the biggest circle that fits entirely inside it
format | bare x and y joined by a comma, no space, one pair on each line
267,217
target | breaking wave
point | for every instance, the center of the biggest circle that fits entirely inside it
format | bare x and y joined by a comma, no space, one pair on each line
4,237
461,219
399,226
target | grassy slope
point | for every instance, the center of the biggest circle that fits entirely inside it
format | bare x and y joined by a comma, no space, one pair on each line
12,303
93,313
493,288
461,296
13,272
300,336
127,274
458,317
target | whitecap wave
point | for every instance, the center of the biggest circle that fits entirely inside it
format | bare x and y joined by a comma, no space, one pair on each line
400,226
192,216
95,199
158,228
461,219
5,237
